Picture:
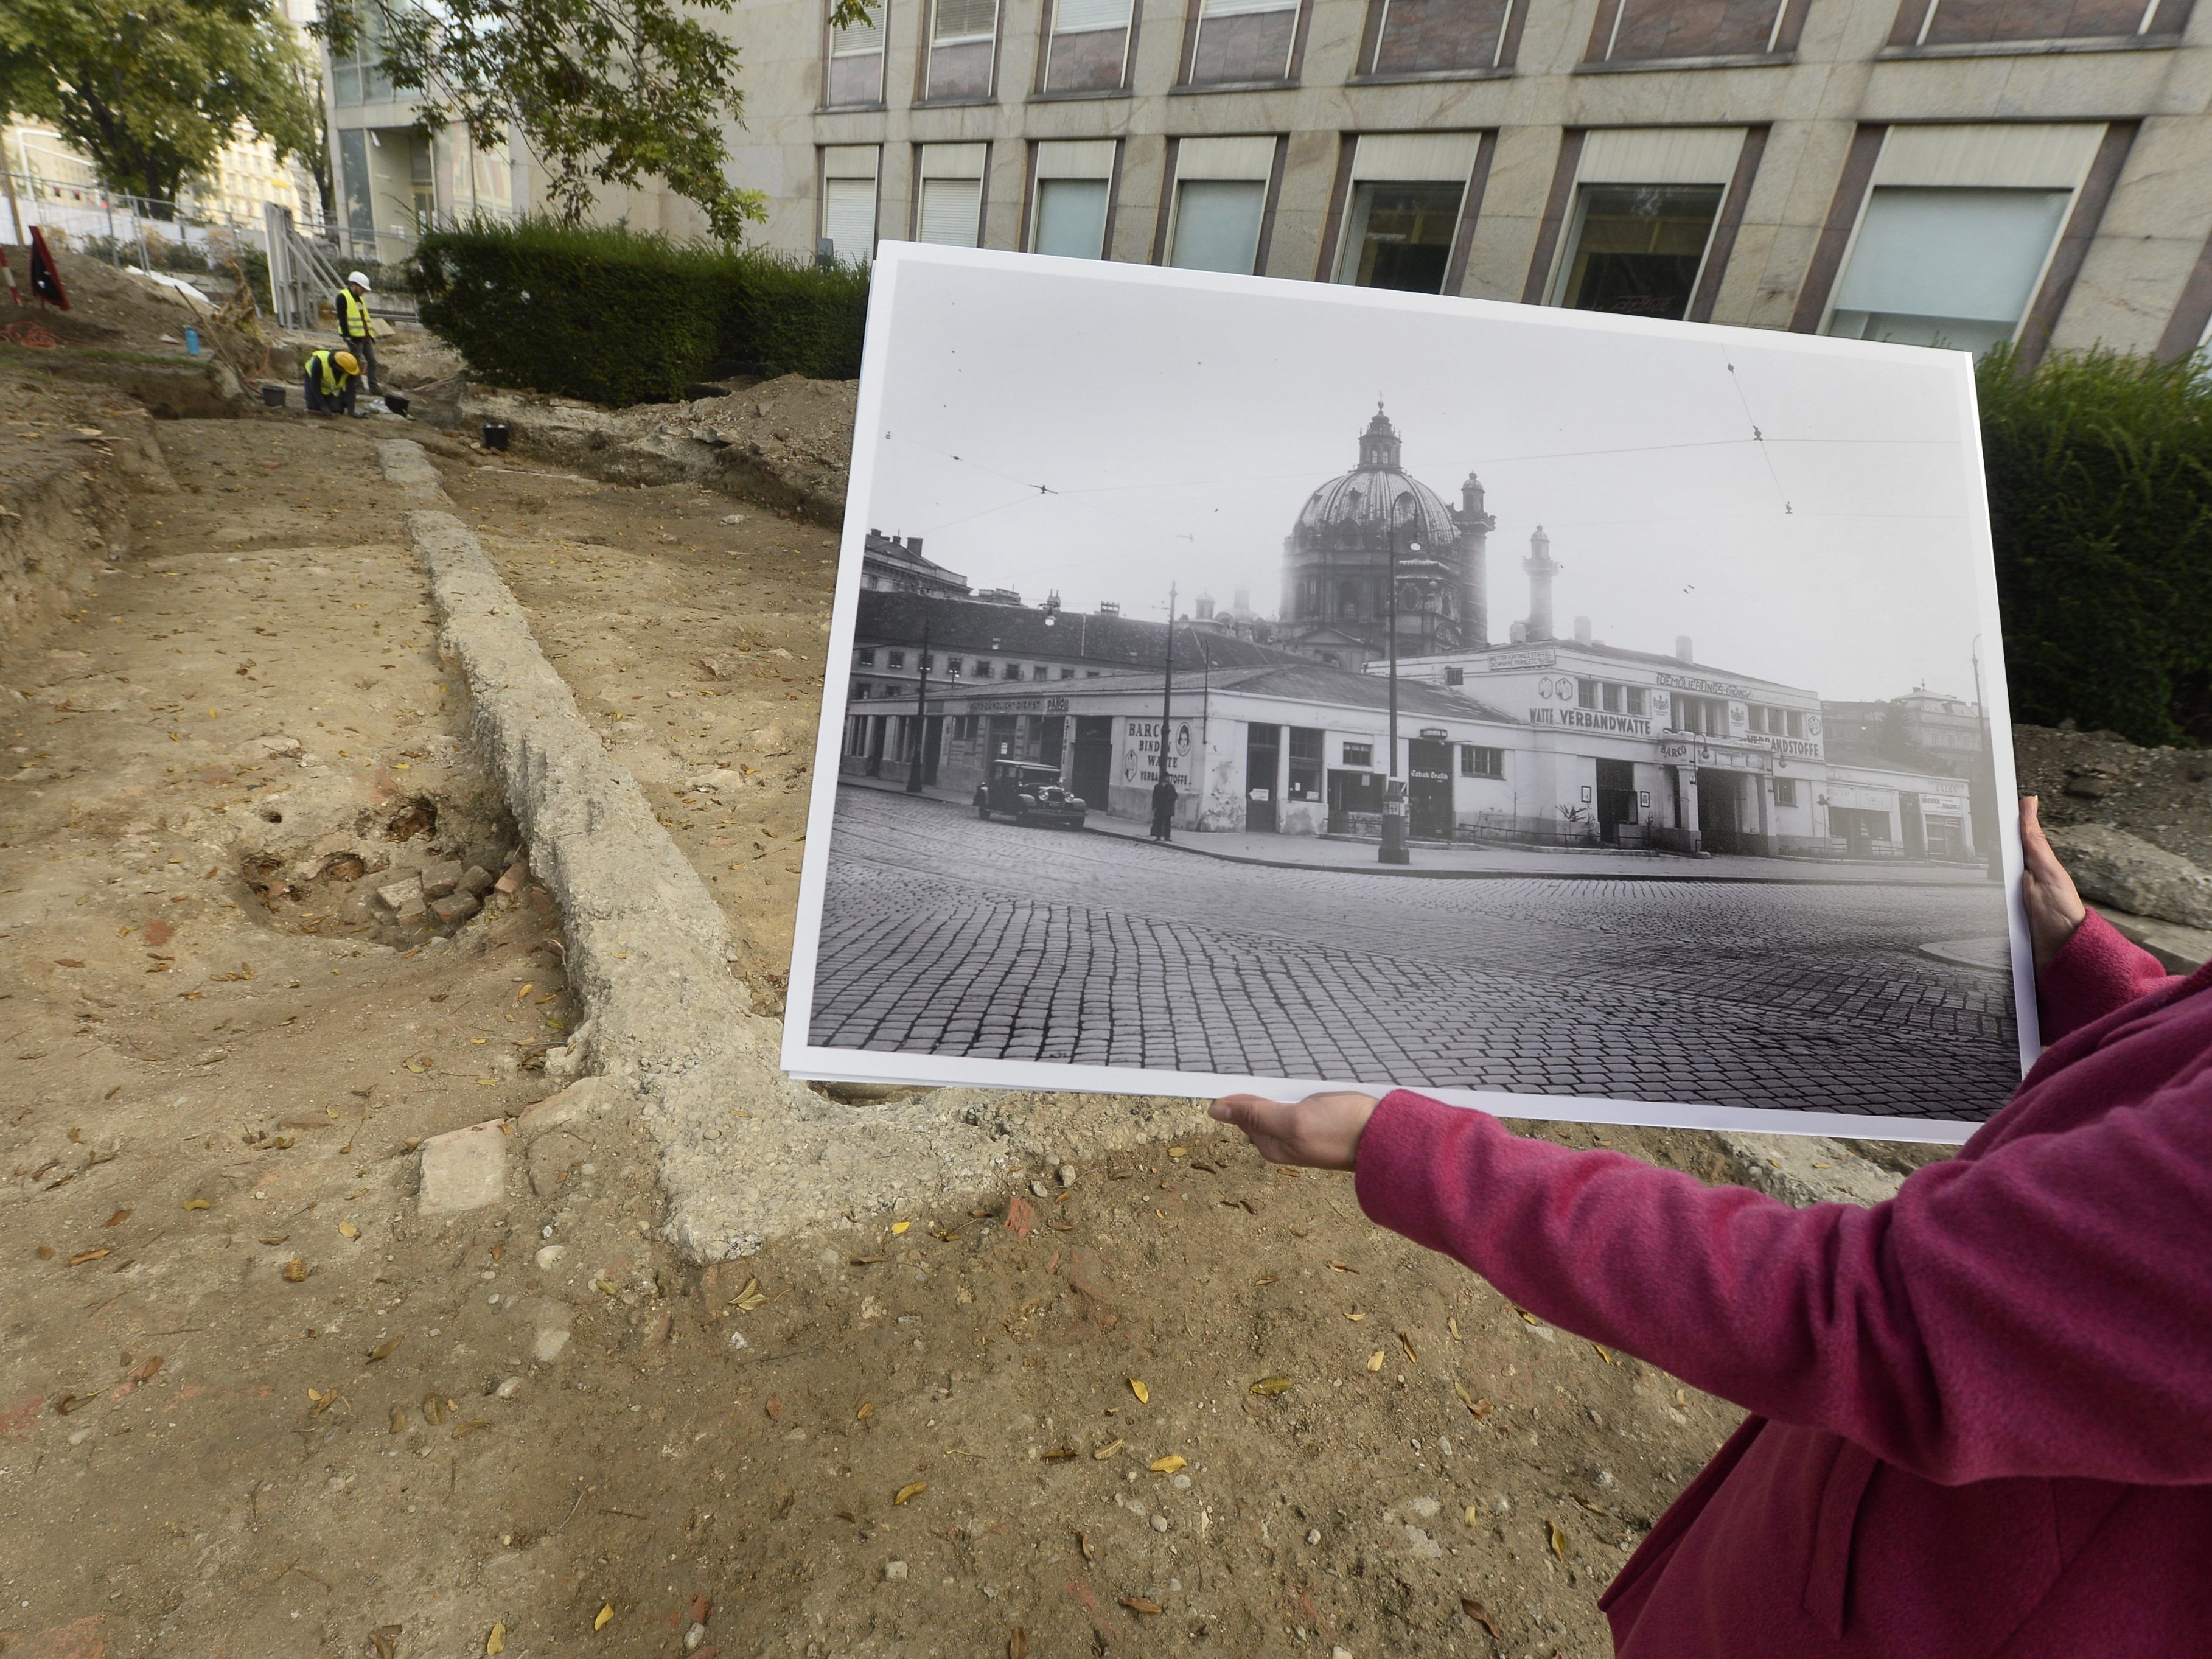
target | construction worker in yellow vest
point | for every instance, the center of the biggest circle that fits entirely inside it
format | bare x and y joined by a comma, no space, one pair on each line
355,333
330,379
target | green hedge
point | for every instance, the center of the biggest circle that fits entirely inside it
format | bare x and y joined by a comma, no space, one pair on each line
618,316
2099,471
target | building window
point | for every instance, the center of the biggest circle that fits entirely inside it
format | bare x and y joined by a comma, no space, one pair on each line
1438,37
1039,671
1637,702
1956,231
1979,22
1707,716
982,667
962,36
1068,673
1243,40
1073,180
866,656
949,205
856,60
895,659
1220,200
1089,50
1785,792
1637,249
1641,31
1586,693
1305,763
1477,761
1612,697
1348,601
1954,268
1403,214
1455,677
1013,671
860,690
849,201
1359,754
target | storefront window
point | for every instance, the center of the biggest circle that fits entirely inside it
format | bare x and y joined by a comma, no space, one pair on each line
1305,763
1785,792
1477,761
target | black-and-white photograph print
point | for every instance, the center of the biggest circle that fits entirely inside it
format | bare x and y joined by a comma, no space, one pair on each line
1246,683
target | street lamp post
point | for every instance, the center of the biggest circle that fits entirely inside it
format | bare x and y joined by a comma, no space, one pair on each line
1392,850
920,718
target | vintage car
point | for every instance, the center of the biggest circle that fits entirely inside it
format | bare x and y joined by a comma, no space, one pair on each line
1028,793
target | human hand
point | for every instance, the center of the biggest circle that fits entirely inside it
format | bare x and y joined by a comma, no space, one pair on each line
1321,1131
2046,892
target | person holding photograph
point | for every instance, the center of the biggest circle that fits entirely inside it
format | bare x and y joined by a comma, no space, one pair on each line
1981,1410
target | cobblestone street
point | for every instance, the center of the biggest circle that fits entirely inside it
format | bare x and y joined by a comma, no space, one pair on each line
944,934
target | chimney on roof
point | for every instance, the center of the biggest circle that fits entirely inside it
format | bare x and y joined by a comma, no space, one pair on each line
1682,647
1581,630
914,545
1518,634
1541,567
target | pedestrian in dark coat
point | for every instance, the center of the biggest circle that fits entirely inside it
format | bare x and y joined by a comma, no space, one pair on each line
1163,801
1981,1412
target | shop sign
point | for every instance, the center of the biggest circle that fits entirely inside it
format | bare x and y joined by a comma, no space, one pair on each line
1140,752
1709,688
1510,659
1862,800
1437,731
1422,775
1019,705
1592,720
1949,804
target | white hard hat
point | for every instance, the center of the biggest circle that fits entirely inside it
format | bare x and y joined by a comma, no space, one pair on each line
358,276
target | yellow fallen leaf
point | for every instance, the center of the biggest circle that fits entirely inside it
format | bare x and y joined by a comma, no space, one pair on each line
524,992
1272,1385
900,1226
1558,1540
1176,1151
867,1410
912,1489
1530,1317
1407,1343
83,1256
1603,1354
497,1641
1144,1395
296,1270
605,1613
347,1230
195,1204
1452,1325
1169,1464
384,1350
1108,1449
1355,1316
750,1298
1472,1516
1374,1360
399,1420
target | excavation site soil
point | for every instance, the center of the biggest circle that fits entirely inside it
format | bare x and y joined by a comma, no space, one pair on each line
255,1401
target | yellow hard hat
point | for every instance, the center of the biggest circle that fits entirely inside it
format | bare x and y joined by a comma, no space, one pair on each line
348,361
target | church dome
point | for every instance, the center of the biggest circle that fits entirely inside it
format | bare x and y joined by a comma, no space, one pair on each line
1367,500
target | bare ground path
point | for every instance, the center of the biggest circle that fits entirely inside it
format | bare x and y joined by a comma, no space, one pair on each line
200,1455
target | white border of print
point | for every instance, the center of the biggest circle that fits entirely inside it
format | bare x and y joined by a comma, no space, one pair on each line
803,1060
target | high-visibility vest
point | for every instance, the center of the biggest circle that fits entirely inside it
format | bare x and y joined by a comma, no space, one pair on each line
353,315
324,366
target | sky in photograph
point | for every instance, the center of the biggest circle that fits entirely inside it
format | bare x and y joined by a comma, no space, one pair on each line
1105,431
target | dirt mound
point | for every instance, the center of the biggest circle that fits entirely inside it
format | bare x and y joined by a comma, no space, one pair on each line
2163,795
785,443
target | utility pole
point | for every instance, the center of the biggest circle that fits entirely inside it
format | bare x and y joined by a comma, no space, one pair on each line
920,717
1392,850
1167,683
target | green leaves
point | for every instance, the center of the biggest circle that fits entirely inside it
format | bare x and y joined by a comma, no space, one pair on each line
153,93
2099,470
604,92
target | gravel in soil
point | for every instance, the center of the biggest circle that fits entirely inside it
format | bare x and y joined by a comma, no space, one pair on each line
2162,794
